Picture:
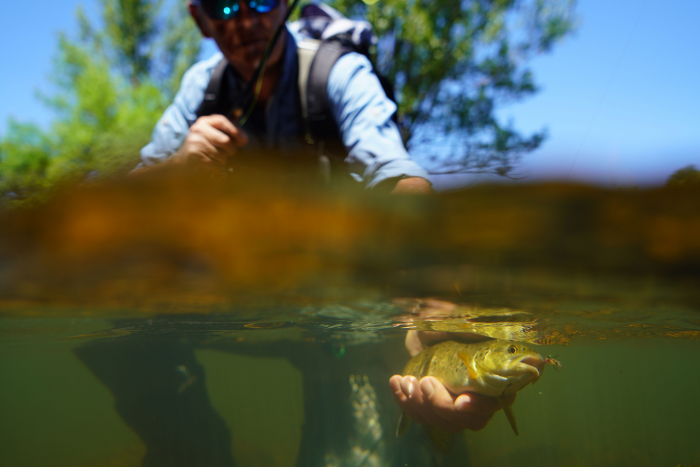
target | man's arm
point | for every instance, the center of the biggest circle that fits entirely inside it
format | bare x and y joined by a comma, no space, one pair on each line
209,144
181,139
363,114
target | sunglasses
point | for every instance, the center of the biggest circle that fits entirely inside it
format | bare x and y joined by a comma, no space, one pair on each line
227,9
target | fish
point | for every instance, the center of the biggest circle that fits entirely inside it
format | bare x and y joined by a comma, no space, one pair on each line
494,368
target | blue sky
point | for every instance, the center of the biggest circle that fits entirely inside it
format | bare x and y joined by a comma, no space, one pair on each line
620,98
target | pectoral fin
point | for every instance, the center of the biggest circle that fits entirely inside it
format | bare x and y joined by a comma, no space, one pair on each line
466,358
404,423
509,414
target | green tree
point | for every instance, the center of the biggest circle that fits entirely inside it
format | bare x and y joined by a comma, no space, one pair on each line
454,62
112,83
687,176
130,26
24,159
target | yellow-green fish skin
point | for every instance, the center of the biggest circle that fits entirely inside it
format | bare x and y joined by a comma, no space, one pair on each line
493,368
496,366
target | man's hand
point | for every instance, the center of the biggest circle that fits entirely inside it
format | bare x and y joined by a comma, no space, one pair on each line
211,142
412,185
428,402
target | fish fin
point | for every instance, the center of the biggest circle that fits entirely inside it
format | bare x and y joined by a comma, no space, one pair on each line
509,414
441,439
404,423
466,358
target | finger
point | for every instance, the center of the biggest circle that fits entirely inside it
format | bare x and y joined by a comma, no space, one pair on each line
222,134
215,136
476,404
224,124
420,404
223,146
480,404
199,148
470,411
206,145
403,400
440,402
476,410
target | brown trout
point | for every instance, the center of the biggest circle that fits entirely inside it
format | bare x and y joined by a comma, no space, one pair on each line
493,368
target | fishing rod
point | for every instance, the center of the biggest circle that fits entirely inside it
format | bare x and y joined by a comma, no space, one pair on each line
236,115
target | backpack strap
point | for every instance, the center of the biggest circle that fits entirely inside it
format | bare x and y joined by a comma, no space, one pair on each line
212,96
320,122
306,51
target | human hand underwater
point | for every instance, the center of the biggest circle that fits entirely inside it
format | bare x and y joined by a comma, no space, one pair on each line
428,402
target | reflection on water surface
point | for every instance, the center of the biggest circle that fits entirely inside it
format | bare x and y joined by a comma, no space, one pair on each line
146,325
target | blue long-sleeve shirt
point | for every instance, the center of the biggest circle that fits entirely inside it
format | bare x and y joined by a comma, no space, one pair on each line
356,100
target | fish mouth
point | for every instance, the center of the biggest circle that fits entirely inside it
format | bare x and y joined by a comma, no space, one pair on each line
534,361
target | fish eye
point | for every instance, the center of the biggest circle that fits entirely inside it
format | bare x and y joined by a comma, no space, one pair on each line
512,349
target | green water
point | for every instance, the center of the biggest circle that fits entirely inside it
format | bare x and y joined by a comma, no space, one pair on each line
618,402
144,325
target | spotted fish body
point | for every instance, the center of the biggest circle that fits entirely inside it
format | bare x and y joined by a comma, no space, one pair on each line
493,368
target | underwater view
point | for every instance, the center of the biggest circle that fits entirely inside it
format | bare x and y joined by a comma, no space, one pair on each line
350,233
142,325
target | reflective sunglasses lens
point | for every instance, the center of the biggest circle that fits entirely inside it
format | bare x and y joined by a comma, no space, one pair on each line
227,9
263,6
221,9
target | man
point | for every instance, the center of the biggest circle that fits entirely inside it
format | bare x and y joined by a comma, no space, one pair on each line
362,112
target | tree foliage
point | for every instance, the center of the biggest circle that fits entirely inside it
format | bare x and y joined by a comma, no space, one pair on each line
687,176
24,159
111,83
454,62
130,25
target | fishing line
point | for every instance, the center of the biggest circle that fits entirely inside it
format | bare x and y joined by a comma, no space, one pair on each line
260,72
605,91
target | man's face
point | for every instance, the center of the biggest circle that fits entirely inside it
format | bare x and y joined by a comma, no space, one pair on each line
243,38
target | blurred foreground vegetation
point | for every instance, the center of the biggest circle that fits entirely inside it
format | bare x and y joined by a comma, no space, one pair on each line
111,85
453,64
189,244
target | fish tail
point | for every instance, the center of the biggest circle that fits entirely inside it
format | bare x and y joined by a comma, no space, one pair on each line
509,414
404,423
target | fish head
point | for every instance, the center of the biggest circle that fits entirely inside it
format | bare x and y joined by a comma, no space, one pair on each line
508,366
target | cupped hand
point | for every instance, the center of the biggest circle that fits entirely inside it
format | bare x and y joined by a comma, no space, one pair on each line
210,143
428,402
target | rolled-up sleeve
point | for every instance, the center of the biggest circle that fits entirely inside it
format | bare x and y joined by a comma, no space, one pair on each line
363,114
172,128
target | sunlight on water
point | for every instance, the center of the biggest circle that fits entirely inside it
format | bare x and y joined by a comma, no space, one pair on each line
141,324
